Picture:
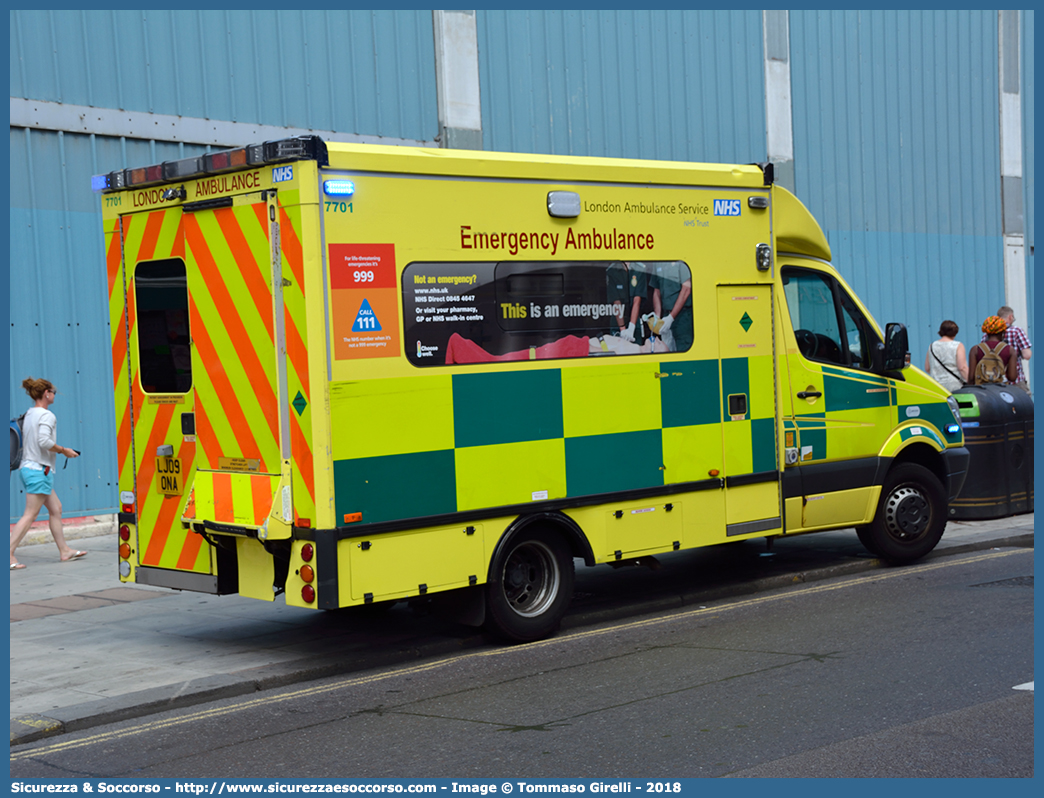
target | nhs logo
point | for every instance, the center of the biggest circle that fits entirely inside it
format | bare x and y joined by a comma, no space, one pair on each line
726,207
280,174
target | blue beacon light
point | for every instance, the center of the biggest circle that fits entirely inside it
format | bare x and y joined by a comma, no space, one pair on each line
339,188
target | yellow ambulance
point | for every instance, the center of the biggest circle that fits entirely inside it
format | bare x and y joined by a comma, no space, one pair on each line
354,374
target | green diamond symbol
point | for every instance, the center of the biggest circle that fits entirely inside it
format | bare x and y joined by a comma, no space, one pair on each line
300,403
745,322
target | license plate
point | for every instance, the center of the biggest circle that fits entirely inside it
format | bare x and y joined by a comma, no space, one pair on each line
169,479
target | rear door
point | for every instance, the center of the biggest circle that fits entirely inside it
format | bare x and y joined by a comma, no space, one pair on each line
153,369
239,358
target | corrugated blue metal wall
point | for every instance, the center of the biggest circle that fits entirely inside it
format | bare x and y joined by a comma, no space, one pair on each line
896,153
364,72
669,85
59,299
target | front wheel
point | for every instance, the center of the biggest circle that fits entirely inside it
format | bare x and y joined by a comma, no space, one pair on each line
530,586
911,515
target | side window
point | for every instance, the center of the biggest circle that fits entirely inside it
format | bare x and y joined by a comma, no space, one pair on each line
857,331
484,312
814,312
813,315
161,301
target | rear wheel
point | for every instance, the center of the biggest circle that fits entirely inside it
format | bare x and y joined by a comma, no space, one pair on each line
530,586
911,515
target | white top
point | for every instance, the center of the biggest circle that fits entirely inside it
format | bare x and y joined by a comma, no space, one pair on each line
39,434
946,351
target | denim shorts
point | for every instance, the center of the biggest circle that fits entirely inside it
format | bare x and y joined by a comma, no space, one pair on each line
36,481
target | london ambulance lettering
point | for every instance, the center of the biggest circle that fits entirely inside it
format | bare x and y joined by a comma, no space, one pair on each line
160,541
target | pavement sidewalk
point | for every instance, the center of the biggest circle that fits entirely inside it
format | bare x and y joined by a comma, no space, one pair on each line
87,650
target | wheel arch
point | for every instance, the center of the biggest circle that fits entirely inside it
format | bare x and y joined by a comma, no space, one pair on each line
917,442
922,454
574,537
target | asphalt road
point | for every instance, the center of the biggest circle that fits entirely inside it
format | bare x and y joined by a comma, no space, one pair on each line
891,673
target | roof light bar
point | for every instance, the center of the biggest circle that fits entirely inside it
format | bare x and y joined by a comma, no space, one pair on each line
183,169
292,149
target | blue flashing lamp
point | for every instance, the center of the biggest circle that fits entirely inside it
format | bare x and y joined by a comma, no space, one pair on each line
99,183
339,188
953,429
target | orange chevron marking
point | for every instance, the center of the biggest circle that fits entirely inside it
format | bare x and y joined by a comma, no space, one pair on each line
229,314
119,350
190,505
114,257
291,245
302,455
261,492
178,250
123,439
255,280
223,387
190,551
223,509
168,515
153,226
205,436
131,310
146,474
298,353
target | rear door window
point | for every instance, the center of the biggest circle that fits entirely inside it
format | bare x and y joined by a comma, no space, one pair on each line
161,305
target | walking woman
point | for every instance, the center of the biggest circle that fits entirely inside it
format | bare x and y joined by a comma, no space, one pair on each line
39,431
946,361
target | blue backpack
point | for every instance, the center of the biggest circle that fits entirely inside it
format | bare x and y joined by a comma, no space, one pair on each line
16,442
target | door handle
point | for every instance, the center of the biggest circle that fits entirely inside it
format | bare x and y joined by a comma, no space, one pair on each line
809,394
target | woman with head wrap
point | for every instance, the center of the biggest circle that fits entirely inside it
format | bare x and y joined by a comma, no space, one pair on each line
994,327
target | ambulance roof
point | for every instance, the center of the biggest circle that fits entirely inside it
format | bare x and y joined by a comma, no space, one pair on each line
482,163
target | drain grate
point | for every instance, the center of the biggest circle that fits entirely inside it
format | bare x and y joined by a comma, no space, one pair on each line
1018,581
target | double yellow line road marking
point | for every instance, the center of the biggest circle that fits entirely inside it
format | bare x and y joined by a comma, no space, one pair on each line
340,684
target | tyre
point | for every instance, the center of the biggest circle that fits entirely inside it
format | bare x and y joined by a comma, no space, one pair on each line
866,537
530,586
911,515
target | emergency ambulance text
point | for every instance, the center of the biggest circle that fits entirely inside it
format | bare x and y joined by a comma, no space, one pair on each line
595,240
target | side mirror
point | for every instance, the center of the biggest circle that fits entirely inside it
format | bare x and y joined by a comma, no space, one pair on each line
896,355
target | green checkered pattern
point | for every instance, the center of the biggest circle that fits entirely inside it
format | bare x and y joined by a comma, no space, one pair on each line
429,445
